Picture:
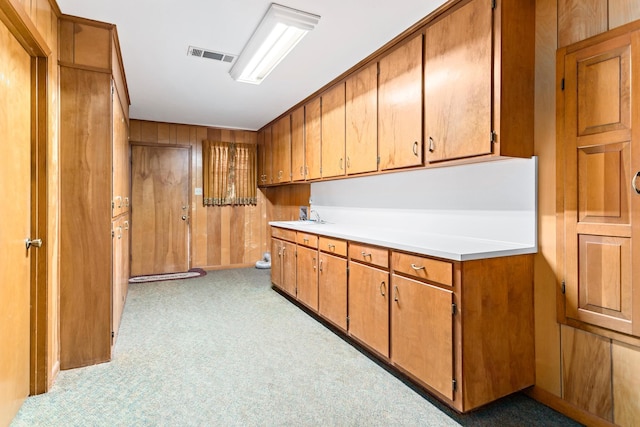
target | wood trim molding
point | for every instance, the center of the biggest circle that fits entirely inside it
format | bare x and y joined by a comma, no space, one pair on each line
566,408
13,15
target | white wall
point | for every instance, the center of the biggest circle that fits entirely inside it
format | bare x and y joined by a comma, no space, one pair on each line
491,200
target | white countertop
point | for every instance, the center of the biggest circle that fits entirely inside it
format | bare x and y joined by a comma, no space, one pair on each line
437,245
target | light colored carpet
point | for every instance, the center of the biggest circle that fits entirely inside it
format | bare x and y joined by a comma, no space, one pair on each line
226,350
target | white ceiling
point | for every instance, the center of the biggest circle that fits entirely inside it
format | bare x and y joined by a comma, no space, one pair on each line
167,85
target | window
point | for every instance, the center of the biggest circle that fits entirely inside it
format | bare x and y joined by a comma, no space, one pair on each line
229,173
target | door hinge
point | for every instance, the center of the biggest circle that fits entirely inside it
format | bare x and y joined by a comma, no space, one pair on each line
493,137
564,287
113,204
347,275
378,160
454,309
493,4
348,322
562,84
113,335
454,384
113,233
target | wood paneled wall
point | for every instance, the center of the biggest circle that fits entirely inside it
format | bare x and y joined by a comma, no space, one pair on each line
570,361
228,236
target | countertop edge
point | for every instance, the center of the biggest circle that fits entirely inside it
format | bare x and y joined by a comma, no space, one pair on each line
502,249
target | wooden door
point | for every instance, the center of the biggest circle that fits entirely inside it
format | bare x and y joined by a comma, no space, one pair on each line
120,178
117,229
307,276
333,128
361,113
422,332
600,201
457,83
369,306
313,136
297,144
400,106
160,209
15,227
282,150
332,290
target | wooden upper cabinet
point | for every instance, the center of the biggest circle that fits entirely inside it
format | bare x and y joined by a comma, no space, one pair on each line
297,144
400,106
457,83
602,226
265,156
333,131
362,120
282,150
312,132
463,116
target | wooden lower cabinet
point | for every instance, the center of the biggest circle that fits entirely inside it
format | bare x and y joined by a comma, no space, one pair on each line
307,276
332,290
422,332
283,265
369,307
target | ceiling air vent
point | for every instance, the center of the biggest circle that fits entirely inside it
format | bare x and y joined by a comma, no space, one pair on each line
211,54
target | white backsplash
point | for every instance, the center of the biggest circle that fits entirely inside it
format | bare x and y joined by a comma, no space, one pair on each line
491,200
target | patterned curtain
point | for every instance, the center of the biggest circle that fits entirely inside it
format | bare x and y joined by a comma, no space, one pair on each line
230,173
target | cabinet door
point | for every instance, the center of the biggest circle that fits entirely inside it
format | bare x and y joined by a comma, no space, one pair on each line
297,144
422,333
362,121
262,176
400,106
307,270
333,127
276,263
289,268
117,264
268,155
120,178
312,132
600,202
282,150
457,83
369,307
332,290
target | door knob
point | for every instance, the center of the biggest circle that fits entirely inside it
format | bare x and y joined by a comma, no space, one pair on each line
35,243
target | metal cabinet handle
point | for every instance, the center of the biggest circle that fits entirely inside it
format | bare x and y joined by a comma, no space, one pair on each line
126,202
364,254
280,175
348,162
301,171
341,163
383,288
126,225
331,247
120,232
320,266
633,182
415,148
36,243
314,263
431,145
395,293
417,267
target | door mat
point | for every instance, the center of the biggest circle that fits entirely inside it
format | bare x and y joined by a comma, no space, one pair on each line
194,272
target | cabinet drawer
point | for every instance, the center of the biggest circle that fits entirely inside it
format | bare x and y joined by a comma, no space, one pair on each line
369,254
333,246
424,268
284,234
307,239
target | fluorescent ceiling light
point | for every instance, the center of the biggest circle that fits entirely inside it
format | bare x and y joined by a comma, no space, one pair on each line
279,31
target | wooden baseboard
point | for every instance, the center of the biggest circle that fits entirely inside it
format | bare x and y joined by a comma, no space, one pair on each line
53,375
566,408
224,267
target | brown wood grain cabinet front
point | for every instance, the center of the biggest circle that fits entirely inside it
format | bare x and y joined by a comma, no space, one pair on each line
282,150
283,264
400,106
333,128
362,120
484,105
601,186
94,191
313,138
461,330
297,144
